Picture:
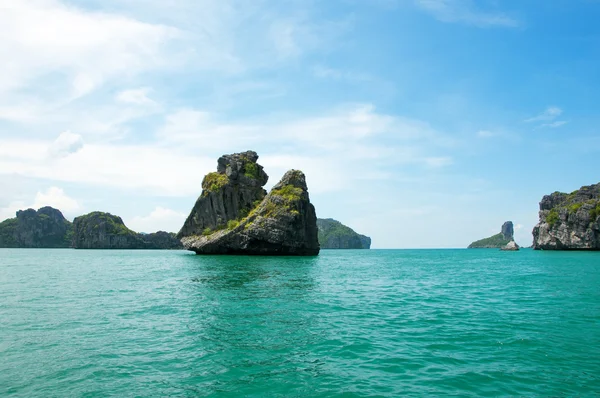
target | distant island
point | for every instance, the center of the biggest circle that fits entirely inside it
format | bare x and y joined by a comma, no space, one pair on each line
503,240
44,228
569,221
48,228
98,230
335,235
235,215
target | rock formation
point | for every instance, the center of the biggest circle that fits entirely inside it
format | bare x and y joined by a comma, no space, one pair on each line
98,230
569,221
497,241
162,240
511,247
234,214
508,231
335,235
45,228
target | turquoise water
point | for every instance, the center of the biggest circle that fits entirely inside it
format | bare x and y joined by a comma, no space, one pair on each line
347,323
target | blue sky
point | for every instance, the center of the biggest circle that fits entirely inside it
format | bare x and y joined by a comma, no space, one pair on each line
421,123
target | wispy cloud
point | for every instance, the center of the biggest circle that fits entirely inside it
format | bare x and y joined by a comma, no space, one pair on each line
486,134
325,72
467,12
556,124
549,115
160,218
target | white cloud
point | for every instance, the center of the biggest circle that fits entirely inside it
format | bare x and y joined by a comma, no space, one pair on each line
335,149
160,219
135,96
467,12
46,37
56,197
53,196
438,161
66,144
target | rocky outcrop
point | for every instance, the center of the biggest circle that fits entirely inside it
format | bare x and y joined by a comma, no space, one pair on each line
228,194
100,230
569,221
511,247
234,215
508,231
45,228
335,235
496,241
162,240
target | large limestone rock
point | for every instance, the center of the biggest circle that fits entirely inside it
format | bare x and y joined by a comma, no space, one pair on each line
335,235
44,228
234,215
496,241
508,230
569,221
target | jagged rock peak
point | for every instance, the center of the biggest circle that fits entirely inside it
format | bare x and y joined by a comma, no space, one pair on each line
227,194
239,218
508,230
44,228
242,168
569,221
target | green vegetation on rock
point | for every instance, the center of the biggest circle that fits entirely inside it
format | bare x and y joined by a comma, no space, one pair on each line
214,181
7,233
289,192
44,228
335,235
552,217
251,170
595,212
496,241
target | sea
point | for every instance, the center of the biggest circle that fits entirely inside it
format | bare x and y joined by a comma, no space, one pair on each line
348,323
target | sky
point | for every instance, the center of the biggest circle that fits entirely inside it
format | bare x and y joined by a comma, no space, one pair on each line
420,123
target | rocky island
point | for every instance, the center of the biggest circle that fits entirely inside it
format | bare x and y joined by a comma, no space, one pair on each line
98,230
335,235
44,228
235,215
569,221
47,228
498,241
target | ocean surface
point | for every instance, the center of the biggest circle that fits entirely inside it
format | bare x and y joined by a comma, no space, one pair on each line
76,323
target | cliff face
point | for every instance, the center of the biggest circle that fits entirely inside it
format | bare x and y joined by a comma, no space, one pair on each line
497,241
228,194
335,235
99,230
569,221
45,228
235,216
